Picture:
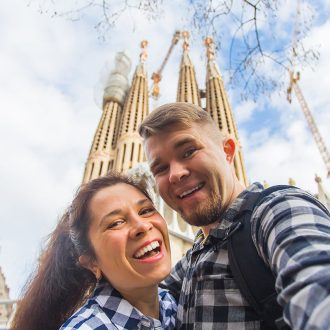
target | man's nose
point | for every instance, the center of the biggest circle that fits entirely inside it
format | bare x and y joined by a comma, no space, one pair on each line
177,172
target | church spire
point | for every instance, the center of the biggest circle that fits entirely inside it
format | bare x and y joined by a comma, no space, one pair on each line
129,146
101,155
218,106
6,304
322,195
187,87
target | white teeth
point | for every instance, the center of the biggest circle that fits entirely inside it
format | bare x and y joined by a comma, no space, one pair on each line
190,191
146,249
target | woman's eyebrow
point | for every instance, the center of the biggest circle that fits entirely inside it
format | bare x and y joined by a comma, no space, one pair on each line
142,201
119,211
110,214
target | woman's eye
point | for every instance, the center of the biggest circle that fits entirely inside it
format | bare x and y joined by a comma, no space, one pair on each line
147,211
115,224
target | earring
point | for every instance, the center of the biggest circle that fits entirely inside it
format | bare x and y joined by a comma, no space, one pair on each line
98,275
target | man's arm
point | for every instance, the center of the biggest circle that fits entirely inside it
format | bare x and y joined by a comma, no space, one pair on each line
174,281
292,235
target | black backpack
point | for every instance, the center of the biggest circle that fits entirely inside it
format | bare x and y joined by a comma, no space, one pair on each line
253,277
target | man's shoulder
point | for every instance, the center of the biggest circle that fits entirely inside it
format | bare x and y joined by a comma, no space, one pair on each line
277,198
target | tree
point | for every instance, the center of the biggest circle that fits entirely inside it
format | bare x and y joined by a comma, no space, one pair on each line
258,56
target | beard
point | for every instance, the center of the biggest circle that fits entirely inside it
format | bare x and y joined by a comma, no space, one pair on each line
206,213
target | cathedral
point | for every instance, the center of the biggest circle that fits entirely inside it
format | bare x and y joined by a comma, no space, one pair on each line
6,305
117,144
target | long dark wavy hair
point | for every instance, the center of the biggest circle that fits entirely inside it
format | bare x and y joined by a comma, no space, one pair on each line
60,284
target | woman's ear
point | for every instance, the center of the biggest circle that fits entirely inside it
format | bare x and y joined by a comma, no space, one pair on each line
229,147
90,264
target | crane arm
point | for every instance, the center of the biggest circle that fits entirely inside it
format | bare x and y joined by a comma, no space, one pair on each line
157,76
310,119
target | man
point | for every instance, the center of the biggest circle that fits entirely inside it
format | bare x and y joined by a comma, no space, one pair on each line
193,167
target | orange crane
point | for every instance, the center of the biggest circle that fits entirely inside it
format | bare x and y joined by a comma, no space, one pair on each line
309,118
293,85
157,76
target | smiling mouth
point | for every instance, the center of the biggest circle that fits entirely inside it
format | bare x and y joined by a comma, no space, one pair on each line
191,191
148,251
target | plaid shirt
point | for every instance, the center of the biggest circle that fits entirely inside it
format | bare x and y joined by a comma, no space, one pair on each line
291,234
107,309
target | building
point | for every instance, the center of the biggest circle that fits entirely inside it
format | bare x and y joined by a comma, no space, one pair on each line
6,305
117,144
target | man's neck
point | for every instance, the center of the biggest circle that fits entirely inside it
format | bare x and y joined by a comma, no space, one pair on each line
206,229
238,188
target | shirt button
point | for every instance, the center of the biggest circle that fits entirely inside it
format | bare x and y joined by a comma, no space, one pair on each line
145,323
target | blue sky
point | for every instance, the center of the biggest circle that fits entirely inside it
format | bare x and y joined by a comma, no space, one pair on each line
51,73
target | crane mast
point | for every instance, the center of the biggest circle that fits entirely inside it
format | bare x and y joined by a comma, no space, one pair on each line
309,118
157,76
294,77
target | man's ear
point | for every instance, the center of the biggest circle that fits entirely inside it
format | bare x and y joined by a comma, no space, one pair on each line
229,147
90,264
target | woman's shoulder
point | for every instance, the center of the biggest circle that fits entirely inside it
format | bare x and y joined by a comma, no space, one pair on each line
89,317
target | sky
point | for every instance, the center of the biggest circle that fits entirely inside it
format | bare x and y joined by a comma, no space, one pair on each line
51,75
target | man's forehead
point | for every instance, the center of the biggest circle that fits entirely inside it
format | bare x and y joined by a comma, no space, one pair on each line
172,138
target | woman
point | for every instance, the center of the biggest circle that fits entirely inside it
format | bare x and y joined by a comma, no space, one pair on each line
111,242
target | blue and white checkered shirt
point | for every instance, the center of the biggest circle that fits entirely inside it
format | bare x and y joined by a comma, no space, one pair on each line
108,310
292,235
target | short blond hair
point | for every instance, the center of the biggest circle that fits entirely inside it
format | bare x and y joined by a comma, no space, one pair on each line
168,115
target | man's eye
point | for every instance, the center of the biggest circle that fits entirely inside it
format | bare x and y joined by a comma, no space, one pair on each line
159,170
147,211
115,224
189,152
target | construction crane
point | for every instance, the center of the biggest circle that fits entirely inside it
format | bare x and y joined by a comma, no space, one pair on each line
293,85
157,76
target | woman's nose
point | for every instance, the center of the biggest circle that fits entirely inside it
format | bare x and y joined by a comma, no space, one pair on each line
140,227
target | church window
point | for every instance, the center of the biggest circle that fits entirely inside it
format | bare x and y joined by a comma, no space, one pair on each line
100,170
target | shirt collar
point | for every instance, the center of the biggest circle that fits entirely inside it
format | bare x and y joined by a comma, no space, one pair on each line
122,313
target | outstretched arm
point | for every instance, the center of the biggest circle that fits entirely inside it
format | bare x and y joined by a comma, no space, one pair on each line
174,281
292,234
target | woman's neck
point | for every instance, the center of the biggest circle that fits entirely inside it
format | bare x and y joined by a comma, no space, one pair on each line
145,300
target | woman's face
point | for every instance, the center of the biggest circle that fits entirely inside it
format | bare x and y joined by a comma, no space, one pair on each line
129,237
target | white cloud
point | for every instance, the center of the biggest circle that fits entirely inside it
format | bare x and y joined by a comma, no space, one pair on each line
244,111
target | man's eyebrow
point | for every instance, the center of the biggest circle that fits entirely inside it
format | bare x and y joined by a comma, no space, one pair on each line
182,142
177,145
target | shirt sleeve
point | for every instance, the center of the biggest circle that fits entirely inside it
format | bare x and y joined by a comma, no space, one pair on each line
292,234
174,281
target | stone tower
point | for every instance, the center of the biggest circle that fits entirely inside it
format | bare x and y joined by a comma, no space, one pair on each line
6,305
118,146
129,151
218,107
322,195
187,86
102,154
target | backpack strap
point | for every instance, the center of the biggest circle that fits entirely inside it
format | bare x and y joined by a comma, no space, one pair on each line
253,277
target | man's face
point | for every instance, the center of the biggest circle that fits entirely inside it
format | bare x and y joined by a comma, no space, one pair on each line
192,170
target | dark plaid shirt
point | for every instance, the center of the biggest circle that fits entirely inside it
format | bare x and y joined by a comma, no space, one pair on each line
291,234
107,310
